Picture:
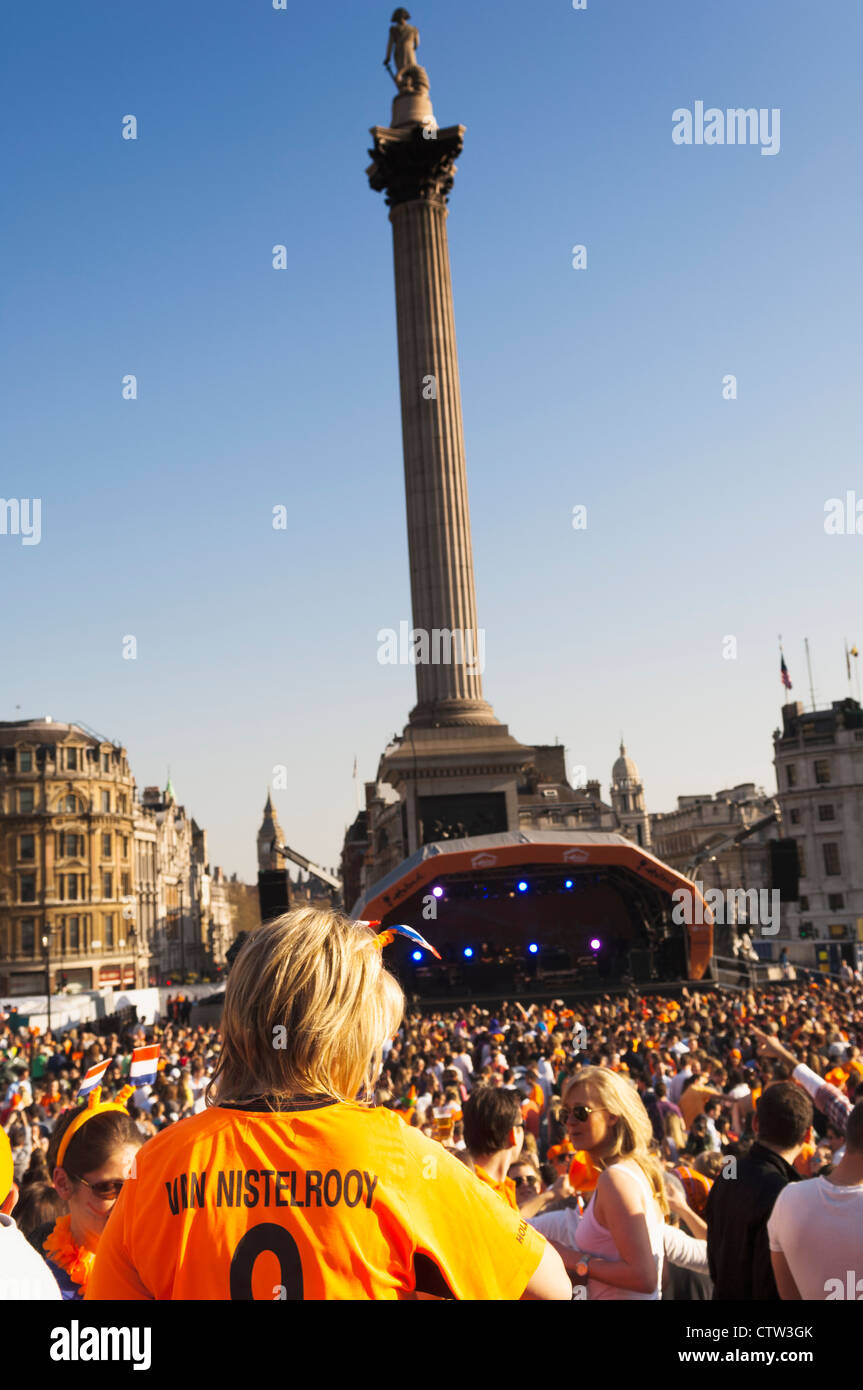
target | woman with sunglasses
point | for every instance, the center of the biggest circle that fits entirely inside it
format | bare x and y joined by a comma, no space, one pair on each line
616,1248
90,1156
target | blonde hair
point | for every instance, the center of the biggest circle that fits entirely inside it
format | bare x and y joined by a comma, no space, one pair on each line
308,1009
633,1134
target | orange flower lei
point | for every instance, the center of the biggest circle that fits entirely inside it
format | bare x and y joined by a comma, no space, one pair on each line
77,1260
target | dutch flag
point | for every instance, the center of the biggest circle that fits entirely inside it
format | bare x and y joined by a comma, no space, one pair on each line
145,1064
93,1078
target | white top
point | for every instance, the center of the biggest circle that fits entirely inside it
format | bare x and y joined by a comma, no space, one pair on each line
676,1084
586,1234
818,1227
24,1275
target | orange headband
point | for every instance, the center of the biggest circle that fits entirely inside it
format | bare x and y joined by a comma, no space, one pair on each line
93,1107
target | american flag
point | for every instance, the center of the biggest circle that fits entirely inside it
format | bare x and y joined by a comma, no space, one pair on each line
783,671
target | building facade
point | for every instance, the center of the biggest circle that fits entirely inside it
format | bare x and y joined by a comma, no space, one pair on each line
97,887
818,756
67,860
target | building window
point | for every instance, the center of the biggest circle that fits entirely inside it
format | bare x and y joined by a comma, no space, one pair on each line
801,859
28,935
795,817
71,805
106,801
72,759
107,885
826,813
69,888
836,902
27,847
822,772
74,933
108,928
106,845
831,859
28,888
124,839
25,800
106,762
803,904
69,845
121,805
791,775
127,885
25,760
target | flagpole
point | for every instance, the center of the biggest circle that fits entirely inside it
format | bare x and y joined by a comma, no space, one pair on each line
809,668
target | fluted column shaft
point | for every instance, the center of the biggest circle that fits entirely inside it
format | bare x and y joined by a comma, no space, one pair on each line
438,516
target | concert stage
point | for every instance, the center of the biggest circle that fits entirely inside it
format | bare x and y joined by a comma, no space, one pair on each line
540,911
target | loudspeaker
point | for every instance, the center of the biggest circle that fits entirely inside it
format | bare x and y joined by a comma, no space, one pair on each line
671,958
273,893
785,869
640,964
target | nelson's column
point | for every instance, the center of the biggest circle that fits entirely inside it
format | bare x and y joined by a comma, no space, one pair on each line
456,767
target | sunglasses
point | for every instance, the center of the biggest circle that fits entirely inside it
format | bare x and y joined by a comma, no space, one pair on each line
578,1112
526,1177
109,1189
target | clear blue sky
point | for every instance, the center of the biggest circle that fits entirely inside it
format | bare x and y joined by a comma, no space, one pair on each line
602,387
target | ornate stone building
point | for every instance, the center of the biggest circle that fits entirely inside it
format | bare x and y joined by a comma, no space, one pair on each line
97,887
818,755
627,798
67,860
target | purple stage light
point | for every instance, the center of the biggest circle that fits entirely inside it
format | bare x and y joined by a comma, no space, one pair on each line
595,943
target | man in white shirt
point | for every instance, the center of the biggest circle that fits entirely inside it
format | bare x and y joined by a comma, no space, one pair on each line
676,1084
463,1061
24,1275
816,1228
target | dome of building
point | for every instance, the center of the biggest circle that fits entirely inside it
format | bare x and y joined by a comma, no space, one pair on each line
625,769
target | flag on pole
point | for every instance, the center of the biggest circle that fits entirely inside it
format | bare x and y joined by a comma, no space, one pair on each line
93,1078
783,671
145,1064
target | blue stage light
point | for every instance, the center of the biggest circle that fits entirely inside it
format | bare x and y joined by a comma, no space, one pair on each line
533,948
522,886
568,883
416,955
468,951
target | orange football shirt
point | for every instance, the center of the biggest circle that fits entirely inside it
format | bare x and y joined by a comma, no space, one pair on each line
315,1200
505,1190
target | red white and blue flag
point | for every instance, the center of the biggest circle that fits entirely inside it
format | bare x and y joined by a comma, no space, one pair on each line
93,1078
783,671
145,1064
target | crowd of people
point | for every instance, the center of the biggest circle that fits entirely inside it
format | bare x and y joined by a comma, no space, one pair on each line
707,1145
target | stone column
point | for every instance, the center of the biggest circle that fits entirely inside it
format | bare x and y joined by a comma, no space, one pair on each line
414,165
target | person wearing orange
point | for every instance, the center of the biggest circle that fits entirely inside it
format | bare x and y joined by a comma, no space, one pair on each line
494,1135
90,1158
290,1185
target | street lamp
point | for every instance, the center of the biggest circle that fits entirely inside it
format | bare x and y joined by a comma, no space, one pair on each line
46,947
